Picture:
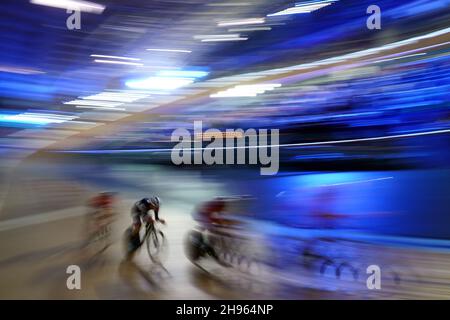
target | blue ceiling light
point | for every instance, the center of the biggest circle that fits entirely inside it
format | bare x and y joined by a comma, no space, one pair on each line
168,79
31,118
159,83
303,7
196,74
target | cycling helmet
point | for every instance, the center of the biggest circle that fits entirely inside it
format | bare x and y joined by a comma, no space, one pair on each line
152,202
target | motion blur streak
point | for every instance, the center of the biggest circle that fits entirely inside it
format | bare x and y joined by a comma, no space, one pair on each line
114,57
87,118
71,4
119,62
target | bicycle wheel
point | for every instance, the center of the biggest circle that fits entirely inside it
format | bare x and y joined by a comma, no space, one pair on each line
156,245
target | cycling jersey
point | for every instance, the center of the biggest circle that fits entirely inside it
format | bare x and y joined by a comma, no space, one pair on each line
209,212
102,201
140,209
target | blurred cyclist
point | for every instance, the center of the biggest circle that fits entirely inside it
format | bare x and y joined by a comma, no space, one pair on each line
102,211
100,217
140,213
214,230
212,215
208,214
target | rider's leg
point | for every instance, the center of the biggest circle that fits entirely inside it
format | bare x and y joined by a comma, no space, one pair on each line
136,227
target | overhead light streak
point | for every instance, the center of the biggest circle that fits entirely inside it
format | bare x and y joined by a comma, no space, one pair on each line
119,62
84,6
250,90
250,29
225,39
216,36
94,103
36,118
183,73
301,144
159,83
114,57
169,50
19,70
229,4
357,182
361,53
241,22
102,108
402,57
303,8
116,96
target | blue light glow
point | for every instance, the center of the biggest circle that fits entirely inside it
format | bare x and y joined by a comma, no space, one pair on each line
34,118
183,74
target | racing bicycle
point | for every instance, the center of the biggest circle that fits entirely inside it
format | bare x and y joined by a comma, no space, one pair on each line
154,239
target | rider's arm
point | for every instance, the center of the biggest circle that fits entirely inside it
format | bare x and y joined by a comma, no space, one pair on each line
156,214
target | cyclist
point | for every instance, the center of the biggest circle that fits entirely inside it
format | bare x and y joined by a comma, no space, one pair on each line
140,212
213,232
102,211
213,214
100,217
209,213
208,217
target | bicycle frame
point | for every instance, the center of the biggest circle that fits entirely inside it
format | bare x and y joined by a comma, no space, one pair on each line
149,228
